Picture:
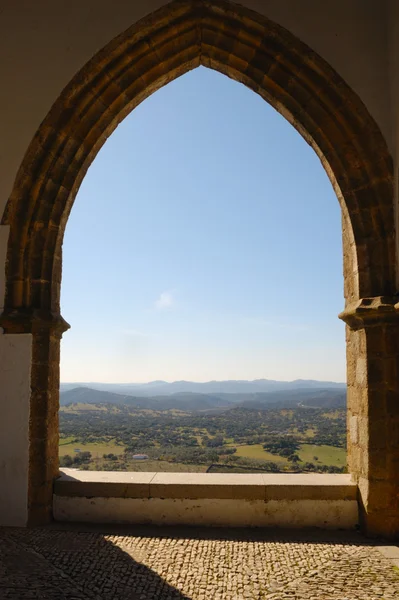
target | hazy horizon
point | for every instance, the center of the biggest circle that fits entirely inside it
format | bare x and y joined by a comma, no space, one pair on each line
198,381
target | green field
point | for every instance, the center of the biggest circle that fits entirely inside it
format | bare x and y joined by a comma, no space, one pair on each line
156,466
327,455
257,451
97,449
66,440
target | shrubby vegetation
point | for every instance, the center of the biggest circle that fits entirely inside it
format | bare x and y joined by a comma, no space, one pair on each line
81,458
208,439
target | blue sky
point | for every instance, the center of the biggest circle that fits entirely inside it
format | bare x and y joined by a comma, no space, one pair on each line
204,243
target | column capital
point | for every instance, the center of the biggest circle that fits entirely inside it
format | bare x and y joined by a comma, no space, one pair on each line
28,320
370,312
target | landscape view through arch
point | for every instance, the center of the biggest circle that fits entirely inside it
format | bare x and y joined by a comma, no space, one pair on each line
204,296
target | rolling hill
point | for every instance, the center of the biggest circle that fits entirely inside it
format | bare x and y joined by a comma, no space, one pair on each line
192,402
163,388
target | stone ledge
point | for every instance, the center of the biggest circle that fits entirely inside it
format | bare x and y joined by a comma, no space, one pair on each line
367,312
287,487
208,512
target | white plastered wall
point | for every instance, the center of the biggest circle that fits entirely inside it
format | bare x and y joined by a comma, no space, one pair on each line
15,358
42,46
15,361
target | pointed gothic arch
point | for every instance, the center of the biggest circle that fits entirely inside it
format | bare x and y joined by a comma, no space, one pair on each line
167,43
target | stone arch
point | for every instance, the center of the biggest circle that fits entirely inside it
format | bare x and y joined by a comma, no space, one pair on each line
178,37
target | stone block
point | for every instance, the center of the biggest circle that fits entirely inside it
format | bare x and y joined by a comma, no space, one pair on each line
207,485
89,484
378,434
374,404
354,430
375,371
377,464
361,371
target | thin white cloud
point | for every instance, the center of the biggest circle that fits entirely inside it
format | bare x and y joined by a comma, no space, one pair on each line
165,301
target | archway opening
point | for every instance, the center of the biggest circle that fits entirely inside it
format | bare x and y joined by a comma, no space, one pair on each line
204,228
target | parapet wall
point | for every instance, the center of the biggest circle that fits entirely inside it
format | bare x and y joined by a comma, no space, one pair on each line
208,499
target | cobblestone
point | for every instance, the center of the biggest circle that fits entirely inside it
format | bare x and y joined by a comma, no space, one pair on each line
173,564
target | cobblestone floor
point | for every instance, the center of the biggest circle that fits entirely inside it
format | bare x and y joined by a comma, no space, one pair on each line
183,564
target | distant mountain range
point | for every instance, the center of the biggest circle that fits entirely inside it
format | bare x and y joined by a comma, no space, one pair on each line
312,397
163,388
185,402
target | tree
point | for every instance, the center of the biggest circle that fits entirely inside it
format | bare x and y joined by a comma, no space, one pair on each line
66,461
213,442
82,458
214,457
294,458
284,452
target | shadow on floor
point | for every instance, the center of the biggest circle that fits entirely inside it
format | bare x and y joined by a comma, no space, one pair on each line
68,565
245,534
89,562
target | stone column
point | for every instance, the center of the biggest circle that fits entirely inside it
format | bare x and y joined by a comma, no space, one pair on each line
46,329
373,410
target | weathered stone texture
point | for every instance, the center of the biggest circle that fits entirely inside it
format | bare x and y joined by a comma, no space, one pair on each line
373,410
